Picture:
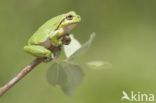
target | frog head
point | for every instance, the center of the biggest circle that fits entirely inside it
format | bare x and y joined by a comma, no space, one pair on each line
69,21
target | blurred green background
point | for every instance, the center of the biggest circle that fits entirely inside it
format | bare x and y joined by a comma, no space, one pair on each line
126,37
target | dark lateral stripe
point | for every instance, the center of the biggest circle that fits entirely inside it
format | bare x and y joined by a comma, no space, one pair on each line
60,23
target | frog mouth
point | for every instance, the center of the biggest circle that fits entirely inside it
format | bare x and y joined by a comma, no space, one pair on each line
74,23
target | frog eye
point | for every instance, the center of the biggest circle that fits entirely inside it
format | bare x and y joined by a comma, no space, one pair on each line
69,17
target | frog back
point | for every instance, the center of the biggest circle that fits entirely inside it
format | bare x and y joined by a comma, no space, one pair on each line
45,30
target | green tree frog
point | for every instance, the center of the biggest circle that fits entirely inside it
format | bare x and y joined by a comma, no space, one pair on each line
51,34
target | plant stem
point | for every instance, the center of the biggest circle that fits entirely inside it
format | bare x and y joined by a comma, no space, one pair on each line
20,75
27,69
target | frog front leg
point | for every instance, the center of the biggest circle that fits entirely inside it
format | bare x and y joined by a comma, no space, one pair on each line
38,51
54,37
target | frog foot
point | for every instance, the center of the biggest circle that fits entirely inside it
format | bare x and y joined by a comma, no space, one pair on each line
48,59
66,40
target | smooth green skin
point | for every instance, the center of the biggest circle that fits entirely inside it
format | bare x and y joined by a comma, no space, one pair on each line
46,35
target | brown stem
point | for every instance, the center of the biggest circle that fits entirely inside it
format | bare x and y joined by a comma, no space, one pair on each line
20,75
26,70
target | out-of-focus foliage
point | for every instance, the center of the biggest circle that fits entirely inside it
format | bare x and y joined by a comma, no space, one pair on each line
81,50
97,65
126,37
68,77
72,47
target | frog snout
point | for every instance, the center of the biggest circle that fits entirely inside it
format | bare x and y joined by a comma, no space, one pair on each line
79,18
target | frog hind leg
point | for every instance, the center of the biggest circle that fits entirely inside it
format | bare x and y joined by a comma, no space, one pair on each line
38,51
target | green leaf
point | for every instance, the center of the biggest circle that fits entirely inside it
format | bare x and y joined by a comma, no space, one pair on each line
56,75
84,47
99,65
68,77
72,47
75,77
